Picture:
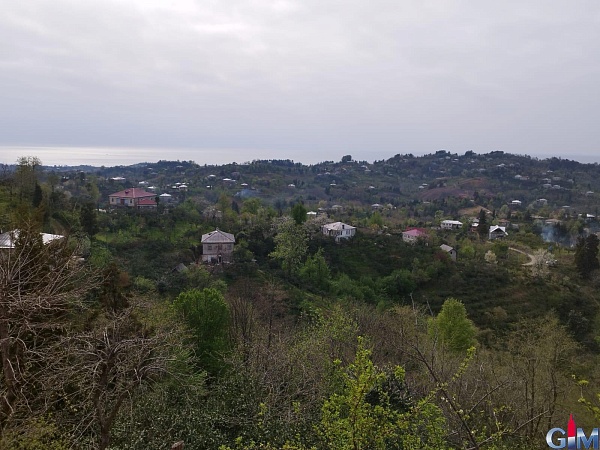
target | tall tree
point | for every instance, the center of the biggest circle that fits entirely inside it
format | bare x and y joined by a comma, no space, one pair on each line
452,326
26,176
299,213
89,218
586,255
38,195
315,271
291,244
207,316
39,286
482,227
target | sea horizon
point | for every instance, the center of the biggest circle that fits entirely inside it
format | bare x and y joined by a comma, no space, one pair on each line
97,156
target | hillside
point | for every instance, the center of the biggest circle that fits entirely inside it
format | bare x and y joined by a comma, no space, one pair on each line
252,349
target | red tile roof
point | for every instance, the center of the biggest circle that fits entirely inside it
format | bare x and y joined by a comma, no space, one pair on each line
133,193
417,232
146,202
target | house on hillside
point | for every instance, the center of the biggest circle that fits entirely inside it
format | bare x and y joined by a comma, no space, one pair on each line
497,232
132,197
411,235
339,230
166,198
217,247
451,225
451,251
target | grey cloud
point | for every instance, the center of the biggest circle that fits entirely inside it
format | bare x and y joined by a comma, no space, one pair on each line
348,75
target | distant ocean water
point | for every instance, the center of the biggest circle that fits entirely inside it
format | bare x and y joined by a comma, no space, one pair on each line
116,156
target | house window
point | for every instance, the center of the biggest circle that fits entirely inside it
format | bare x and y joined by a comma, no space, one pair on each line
209,247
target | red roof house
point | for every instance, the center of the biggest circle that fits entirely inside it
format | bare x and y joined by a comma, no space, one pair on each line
132,198
412,234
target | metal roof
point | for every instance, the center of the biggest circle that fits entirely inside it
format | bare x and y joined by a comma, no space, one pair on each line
217,237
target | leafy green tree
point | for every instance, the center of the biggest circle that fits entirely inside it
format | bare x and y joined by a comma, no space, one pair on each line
291,245
452,326
364,415
207,316
299,213
316,271
398,283
376,220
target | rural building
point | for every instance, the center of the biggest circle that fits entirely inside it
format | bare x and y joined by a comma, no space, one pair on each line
497,232
132,197
413,234
450,250
217,247
339,230
451,224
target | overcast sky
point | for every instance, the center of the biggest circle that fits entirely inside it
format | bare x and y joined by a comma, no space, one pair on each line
332,77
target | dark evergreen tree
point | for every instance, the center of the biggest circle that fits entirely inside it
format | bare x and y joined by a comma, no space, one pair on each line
586,255
299,213
37,195
89,219
483,226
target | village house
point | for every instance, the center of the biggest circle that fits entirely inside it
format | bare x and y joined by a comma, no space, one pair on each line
497,232
451,251
217,247
132,197
451,224
413,234
339,230
165,197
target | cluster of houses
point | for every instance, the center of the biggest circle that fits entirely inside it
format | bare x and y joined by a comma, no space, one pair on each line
217,246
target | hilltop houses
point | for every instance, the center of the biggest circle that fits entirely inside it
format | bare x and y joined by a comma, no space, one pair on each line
217,247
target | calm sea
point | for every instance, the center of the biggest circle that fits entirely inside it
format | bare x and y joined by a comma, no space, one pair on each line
115,156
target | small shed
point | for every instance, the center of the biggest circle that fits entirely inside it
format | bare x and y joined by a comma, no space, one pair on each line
450,250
